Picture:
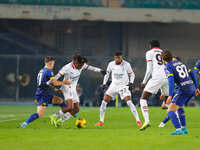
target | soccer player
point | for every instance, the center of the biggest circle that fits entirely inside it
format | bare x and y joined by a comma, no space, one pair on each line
197,69
72,71
122,82
155,69
43,94
185,80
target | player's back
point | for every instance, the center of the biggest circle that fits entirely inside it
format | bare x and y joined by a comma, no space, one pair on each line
154,55
181,76
43,77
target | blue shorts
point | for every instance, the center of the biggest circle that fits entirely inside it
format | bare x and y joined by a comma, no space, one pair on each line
181,98
44,100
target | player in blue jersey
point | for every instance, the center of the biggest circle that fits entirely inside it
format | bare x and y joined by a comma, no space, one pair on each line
43,94
185,80
197,69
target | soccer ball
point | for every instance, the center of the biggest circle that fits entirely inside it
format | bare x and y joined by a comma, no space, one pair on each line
81,123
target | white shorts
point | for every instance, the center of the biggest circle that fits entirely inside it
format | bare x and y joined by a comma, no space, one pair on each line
70,93
154,85
123,91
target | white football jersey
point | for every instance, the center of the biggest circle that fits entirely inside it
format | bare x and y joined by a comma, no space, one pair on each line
120,73
154,56
70,72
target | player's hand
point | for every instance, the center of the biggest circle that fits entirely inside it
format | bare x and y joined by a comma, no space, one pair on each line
169,100
67,82
197,92
103,72
163,106
143,85
130,86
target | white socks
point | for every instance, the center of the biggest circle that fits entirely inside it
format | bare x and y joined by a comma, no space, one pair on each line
102,110
66,116
144,108
58,114
133,110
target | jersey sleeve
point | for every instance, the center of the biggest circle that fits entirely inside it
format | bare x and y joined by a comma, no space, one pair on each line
170,76
62,71
197,67
149,57
91,68
130,73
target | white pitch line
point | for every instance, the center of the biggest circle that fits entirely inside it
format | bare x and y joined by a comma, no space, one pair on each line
7,120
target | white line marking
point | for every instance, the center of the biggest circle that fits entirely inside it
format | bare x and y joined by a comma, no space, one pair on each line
7,120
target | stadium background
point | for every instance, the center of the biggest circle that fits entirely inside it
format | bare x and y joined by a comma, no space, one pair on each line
32,29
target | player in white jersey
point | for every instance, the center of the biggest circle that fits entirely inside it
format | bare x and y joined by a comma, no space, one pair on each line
122,81
155,69
72,72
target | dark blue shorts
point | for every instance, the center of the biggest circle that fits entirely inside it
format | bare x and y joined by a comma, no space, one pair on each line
44,100
181,97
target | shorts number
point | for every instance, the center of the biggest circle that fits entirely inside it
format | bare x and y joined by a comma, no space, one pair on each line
182,71
158,58
122,91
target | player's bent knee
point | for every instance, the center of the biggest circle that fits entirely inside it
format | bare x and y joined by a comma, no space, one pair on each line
145,95
107,98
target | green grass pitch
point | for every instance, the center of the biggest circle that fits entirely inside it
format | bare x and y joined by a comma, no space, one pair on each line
120,131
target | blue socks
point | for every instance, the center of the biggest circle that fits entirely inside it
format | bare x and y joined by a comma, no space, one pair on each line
166,119
174,119
32,118
181,115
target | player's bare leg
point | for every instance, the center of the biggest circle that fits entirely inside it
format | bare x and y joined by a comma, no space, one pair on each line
133,109
103,106
144,107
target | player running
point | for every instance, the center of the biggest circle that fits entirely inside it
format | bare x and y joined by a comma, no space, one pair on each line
155,68
43,94
72,71
121,84
178,74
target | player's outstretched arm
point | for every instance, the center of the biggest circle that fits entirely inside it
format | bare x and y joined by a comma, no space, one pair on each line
58,83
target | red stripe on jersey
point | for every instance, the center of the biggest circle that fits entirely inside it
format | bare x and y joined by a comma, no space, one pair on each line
73,66
149,60
130,72
60,73
86,67
107,71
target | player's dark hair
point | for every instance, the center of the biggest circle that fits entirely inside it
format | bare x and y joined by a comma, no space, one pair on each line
78,58
154,43
166,55
48,59
118,54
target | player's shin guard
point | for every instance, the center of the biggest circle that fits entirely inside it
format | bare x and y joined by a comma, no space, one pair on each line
32,118
181,115
67,116
133,110
144,108
172,115
103,110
